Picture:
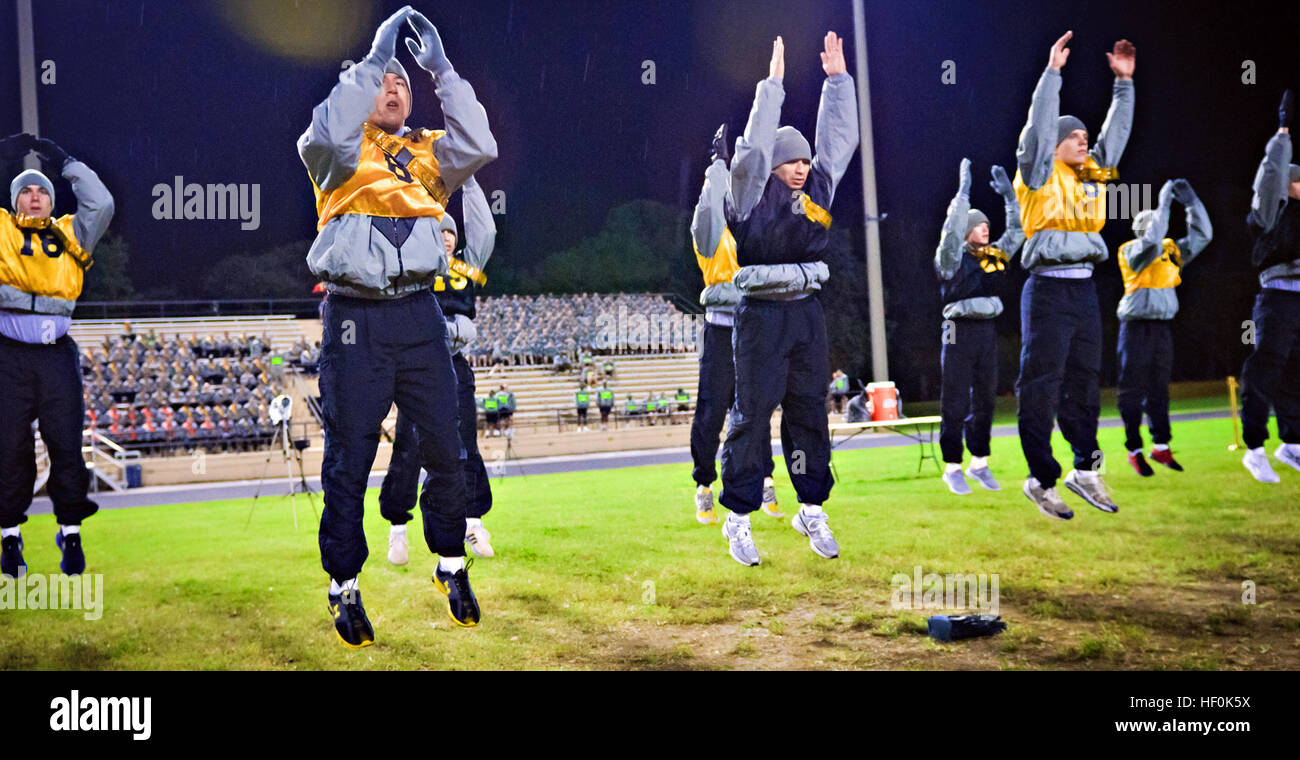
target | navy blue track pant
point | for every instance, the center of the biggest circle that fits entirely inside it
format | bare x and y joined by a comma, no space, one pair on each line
781,357
969,390
717,392
1271,374
1146,358
375,353
397,494
1060,372
42,381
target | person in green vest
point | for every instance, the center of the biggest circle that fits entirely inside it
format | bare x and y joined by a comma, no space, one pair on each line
683,400
506,410
839,390
491,416
605,401
632,409
651,407
608,368
582,400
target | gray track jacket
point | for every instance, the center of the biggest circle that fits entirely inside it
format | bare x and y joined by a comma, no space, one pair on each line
349,255
1162,303
953,245
1058,249
480,239
751,169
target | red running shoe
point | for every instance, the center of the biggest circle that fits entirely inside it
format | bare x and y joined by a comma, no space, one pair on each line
1139,463
1166,457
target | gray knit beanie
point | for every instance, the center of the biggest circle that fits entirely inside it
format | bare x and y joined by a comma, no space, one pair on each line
1067,124
790,146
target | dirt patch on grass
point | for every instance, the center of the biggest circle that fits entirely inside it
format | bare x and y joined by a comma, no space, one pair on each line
1204,626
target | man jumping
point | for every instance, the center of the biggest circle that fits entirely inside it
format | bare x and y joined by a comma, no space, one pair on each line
778,210
456,299
1271,374
43,261
1151,266
1062,210
381,194
715,252
969,270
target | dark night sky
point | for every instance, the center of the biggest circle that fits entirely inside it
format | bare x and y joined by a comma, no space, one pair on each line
148,90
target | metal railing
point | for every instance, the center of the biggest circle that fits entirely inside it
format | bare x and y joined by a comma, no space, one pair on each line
102,450
299,307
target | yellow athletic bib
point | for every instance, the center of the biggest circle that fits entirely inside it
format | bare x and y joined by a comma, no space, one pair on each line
1164,272
41,260
1064,202
384,184
721,267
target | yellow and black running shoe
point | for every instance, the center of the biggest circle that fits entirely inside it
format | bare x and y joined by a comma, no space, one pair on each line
350,621
461,604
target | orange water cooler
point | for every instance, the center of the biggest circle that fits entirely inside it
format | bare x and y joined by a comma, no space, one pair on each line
882,401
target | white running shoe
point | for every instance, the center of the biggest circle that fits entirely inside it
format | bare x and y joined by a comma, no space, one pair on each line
480,541
397,548
818,530
984,477
1088,485
740,539
1257,462
1288,453
1047,500
955,482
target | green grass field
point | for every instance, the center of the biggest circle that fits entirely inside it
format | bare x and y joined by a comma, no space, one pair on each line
610,570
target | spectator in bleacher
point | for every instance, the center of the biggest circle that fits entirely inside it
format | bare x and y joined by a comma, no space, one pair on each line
491,415
605,402
608,368
633,409
128,334
582,401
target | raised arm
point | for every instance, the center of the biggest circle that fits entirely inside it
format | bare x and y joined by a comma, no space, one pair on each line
709,221
752,164
1013,235
95,204
1150,246
480,227
1199,230
468,145
1034,154
837,116
1119,119
947,257
1274,173
331,146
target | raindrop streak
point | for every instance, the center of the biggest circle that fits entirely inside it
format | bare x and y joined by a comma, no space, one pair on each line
585,67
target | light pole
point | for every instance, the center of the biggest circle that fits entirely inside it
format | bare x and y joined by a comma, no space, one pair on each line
875,288
27,76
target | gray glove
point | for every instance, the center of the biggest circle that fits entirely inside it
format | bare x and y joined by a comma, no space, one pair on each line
428,51
1167,193
384,48
964,187
1183,193
460,332
1000,184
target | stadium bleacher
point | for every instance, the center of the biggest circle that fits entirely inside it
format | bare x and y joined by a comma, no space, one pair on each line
167,385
